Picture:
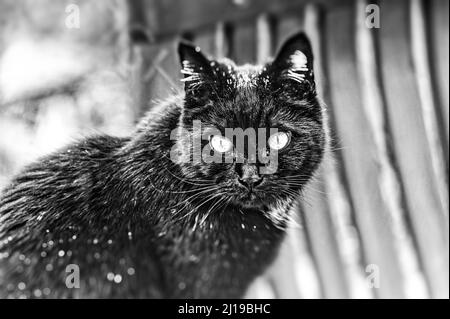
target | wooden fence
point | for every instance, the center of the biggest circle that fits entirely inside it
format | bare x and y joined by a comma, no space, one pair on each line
375,220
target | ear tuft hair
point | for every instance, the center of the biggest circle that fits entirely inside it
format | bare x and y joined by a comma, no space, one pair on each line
194,65
295,59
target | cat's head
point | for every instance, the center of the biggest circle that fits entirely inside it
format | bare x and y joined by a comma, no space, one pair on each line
256,132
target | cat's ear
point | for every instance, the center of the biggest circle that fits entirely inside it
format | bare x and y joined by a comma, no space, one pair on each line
195,66
294,61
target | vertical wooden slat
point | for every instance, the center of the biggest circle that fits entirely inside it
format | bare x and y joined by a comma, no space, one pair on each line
288,24
162,71
261,288
423,79
244,42
317,216
206,41
154,66
140,39
391,191
346,237
411,145
137,72
293,274
323,241
438,40
360,160
263,39
222,45
213,41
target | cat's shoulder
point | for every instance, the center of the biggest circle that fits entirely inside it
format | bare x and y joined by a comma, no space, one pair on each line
70,167
162,114
82,152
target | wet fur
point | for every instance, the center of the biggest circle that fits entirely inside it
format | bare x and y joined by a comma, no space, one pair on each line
113,205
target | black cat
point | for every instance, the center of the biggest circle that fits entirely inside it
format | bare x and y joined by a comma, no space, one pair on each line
145,216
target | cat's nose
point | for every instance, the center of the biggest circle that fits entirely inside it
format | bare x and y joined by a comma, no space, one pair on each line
249,176
250,183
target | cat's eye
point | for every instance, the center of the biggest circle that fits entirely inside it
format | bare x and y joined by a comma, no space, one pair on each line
220,143
279,140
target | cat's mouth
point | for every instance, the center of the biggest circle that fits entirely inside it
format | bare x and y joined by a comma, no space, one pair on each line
250,200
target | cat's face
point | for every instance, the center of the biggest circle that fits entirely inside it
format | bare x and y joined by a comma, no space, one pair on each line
262,134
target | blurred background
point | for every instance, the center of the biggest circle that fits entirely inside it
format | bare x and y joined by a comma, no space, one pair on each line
373,224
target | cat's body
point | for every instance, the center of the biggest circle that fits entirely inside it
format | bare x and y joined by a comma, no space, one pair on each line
137,223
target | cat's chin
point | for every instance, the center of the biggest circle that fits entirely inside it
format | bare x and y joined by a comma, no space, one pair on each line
249,202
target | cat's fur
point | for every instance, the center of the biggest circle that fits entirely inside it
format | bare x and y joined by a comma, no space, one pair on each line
139,225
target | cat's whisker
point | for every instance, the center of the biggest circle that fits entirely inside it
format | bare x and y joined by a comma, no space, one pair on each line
196,209
222,201
302,183
185,202
214,196
177,192
294,176
188,200
206,200
294,184
291,193
334,149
